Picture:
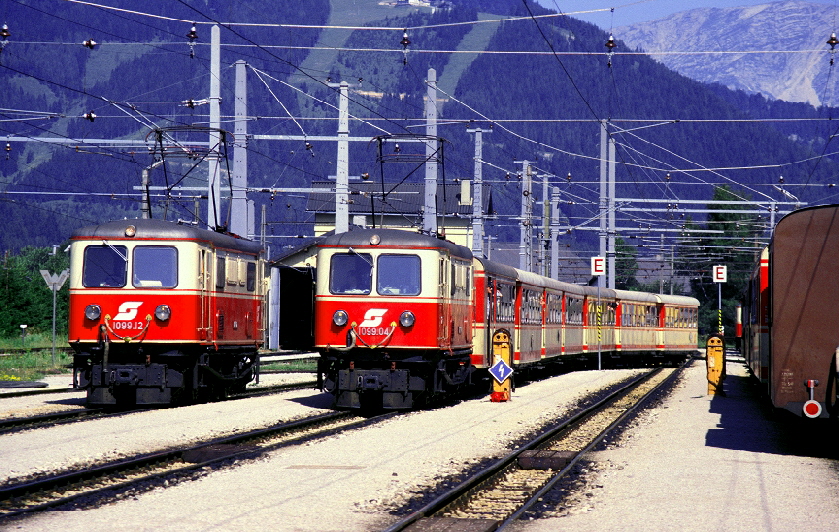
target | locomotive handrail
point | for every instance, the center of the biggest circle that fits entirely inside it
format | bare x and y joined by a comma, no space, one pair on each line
127,339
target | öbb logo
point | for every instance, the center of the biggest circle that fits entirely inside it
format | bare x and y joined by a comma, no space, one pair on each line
128,311
373,317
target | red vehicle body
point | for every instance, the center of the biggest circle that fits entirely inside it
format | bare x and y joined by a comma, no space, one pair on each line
791,333
161,312
400,316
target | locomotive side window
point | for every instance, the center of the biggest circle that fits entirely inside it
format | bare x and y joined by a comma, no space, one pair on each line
155,266
220,272
251,274
351,273
105,265
398,275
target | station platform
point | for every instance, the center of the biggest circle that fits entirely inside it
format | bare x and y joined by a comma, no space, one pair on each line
708,462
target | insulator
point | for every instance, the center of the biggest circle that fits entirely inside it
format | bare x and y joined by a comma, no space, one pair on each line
192,35
610,44
568,177
365,176
833,41
396,148
90,43
4,32
8,147
89,116
405,41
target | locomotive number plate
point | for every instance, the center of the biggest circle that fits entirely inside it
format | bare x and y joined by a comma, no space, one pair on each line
127,325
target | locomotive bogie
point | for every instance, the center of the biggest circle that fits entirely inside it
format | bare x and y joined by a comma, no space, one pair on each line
161,312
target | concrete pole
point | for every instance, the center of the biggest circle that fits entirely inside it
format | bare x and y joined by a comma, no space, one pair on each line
554,233
526,231
477,194
610,219
429,221
240,224
214,178
546,228
604,169
342,176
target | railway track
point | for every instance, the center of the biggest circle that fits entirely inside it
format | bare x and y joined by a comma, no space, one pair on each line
45,420
107,481
505,490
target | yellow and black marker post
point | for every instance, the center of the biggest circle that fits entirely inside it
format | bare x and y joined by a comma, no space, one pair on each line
715,363
502,367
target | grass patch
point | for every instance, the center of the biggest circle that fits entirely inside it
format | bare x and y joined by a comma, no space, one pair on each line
32,365
292,366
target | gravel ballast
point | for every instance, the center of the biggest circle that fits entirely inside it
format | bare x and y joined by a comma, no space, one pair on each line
346,482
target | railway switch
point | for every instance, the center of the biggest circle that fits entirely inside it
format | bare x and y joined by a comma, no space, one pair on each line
715,363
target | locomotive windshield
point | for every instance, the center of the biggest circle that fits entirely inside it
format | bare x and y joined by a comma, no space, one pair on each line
105,265
351,273
398,275
155,266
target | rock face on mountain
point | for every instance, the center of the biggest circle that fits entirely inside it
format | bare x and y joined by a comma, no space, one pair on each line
777,49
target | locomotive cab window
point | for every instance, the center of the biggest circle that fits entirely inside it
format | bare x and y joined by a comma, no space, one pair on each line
155,267
351,273
398,275
105,265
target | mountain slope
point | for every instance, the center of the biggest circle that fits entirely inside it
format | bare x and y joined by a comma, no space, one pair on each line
776,49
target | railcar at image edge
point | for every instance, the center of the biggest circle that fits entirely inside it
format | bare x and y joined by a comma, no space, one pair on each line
791,333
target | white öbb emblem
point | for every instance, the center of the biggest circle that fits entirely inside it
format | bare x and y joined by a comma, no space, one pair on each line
372,321
128,311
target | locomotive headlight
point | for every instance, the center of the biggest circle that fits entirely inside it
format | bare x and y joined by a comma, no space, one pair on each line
406,319
162,312
92,312
340,318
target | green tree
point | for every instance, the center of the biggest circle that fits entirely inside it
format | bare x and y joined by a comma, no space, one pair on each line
626,265
734,248
25,299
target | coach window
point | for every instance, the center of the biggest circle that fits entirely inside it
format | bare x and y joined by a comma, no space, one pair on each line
155,267
105,266
351,273
398,275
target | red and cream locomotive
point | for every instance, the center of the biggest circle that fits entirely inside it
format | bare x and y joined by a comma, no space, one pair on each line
401,316
161,312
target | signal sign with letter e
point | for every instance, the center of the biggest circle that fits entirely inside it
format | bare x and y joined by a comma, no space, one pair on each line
720,274
598,265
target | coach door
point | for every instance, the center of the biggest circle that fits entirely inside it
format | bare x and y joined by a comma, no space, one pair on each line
205,283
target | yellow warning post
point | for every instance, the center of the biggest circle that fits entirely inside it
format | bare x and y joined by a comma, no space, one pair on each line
715,363
501,369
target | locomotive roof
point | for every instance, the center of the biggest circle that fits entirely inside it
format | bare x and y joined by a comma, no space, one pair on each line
150,229
393,237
